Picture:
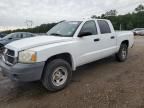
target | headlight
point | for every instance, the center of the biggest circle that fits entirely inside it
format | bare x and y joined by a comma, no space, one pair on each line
27,57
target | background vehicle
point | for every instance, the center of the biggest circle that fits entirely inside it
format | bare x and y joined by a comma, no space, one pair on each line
14,36
69,44
2,35
139,31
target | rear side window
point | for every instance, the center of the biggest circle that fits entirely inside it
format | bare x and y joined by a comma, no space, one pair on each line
90,27
21,35
25,35
104,27
17,35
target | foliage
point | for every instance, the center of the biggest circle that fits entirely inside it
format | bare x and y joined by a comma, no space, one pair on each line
111,13
139,8
39,29
128,21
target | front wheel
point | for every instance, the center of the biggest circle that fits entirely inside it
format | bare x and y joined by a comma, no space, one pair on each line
121,56
57,75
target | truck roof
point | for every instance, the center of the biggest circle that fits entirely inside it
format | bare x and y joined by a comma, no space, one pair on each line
85,19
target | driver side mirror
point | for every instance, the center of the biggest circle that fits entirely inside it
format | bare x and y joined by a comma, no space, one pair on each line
82,34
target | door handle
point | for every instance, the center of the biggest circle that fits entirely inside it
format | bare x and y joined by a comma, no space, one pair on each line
96,40
112,37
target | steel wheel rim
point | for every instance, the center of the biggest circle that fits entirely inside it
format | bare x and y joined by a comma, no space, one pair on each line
59,76
124,53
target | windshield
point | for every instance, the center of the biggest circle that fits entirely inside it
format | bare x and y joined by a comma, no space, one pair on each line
64,29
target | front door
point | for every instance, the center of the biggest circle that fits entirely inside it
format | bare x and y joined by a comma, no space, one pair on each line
88,45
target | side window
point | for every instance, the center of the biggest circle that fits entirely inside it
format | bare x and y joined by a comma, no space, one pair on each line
104,27
17,35
25,35
29,35
21,35
90,27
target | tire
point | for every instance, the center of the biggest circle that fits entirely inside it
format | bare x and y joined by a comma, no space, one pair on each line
121,56
57,75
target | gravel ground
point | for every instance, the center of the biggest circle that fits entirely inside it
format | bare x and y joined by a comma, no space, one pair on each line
102,84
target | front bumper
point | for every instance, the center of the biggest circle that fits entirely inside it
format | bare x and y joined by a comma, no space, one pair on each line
23,72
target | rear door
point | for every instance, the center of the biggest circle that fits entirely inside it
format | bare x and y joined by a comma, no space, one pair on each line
107,37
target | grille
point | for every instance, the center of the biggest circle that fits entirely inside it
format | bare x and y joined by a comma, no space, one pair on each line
1,45
10,52
9,57
1,48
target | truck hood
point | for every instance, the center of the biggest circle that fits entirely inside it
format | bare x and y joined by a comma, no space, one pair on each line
35,41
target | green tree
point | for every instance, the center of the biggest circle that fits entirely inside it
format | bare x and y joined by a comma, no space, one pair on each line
128,21
139,8
94,17
111,13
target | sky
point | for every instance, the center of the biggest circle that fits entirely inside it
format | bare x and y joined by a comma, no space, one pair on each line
14,13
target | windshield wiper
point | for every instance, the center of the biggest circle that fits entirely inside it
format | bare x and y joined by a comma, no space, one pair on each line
56,34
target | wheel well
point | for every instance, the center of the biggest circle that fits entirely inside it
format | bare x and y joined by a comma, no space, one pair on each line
64,56
126,42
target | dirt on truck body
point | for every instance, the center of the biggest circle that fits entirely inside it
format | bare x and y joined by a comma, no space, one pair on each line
102,84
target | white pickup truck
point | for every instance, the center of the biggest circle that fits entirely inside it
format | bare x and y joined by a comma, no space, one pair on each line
69,44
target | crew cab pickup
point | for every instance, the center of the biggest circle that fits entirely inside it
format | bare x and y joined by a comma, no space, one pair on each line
52,58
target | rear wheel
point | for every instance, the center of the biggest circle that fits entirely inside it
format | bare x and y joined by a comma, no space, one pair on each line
57,75
121,56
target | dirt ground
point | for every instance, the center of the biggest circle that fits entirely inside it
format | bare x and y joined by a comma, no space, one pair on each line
102,84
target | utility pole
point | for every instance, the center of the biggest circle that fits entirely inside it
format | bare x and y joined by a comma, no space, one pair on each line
29,23
120,27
